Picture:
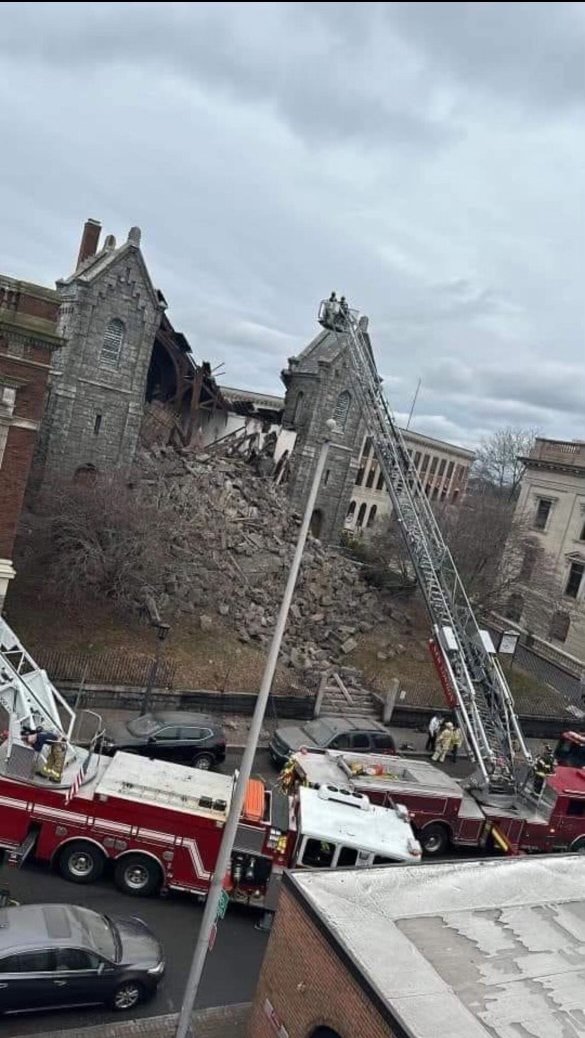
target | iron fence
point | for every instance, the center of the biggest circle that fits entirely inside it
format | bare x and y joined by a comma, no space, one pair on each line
114,667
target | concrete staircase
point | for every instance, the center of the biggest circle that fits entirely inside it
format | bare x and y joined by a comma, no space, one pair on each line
335,697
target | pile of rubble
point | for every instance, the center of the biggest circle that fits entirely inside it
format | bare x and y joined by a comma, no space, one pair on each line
231,553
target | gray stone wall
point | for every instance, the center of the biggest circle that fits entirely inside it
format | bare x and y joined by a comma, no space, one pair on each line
82,385
321,374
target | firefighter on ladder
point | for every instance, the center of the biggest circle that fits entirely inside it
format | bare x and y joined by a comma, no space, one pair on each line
38,738
544,766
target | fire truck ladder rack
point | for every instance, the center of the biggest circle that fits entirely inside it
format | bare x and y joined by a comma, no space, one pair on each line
484,702
25,690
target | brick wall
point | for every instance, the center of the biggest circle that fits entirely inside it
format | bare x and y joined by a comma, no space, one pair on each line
308,985
28,336
13,476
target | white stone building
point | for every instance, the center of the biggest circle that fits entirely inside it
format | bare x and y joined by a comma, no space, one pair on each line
443,469
552,503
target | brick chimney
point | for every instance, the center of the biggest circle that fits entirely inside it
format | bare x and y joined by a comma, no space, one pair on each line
89,241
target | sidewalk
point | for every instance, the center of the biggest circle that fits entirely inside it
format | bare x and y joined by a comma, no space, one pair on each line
223,1022
409,741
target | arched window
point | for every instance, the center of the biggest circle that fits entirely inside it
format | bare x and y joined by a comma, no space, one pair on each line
112,344
85,475
325,1032
372,515
361,516
298,408
351,510
342,409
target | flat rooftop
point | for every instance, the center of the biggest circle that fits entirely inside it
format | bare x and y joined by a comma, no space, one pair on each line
490,949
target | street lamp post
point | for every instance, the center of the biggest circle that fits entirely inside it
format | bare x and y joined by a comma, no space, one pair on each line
161,632
211,910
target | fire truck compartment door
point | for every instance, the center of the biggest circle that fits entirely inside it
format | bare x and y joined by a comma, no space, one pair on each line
249,839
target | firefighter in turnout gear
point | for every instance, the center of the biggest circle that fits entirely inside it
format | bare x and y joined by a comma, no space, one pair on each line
544,765
53,766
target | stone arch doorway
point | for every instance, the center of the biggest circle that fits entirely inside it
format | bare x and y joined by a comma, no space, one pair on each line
316,522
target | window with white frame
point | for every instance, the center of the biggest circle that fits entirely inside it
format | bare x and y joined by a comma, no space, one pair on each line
112,344
7,402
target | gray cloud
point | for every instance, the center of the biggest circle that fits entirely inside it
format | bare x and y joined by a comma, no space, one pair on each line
425,159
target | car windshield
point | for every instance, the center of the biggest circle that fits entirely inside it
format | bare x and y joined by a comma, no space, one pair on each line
146,725
103,936
319,732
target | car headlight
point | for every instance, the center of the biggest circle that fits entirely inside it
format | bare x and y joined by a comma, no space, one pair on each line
155,971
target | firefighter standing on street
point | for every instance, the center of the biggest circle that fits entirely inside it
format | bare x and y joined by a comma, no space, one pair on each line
443,743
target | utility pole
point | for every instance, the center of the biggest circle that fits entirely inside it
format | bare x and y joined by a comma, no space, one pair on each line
210,914
414,399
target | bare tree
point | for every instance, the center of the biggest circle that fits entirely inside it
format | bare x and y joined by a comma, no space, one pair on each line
496,552
498,461
103,539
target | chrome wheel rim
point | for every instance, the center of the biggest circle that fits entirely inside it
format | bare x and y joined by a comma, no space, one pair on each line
203,763
136,877
127,996
80,864
432,844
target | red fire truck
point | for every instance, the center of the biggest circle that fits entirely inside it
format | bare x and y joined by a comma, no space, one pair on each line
443,813
499,802
158,825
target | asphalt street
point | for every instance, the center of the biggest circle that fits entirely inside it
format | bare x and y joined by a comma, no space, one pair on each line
232,967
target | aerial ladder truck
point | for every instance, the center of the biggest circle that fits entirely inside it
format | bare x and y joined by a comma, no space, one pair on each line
463,652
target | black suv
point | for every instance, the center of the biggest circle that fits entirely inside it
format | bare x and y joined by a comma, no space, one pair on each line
170,735
359,734
54,956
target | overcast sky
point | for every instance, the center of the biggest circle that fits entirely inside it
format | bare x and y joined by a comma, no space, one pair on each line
427,160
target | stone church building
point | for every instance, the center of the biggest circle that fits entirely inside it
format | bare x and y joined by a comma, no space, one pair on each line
109,315
320,385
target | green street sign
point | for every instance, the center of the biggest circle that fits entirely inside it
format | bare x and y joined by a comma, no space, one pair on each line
223,904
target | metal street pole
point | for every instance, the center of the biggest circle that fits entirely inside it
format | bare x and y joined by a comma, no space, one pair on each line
161,632
229,834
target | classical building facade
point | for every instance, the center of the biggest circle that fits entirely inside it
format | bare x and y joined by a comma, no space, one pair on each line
552,506
109,315
28,339
443,469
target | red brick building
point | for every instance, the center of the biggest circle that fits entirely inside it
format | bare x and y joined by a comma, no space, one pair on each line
490,948
28,336
308,987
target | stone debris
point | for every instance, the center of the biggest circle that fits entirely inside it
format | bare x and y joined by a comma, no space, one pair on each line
230,557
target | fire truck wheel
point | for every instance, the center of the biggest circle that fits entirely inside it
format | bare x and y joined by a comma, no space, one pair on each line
127,995
203,761
434,839
81,862
579,845
136,874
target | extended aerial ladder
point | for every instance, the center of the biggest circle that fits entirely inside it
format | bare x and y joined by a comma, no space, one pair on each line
464,654
26,693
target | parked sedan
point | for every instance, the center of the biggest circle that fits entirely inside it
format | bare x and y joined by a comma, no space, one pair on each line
54,956
170,735
359,734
